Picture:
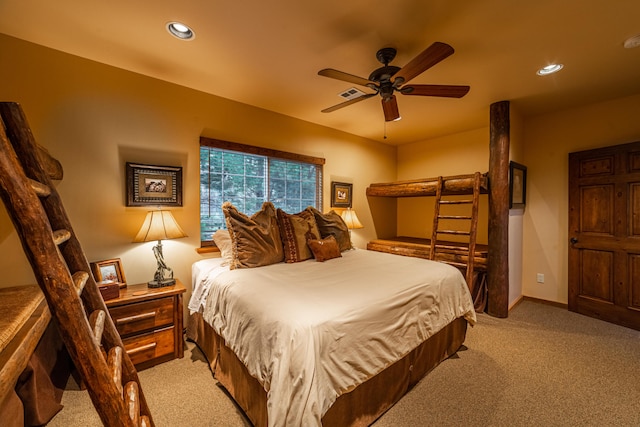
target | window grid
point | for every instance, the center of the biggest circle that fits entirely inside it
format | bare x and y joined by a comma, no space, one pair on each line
289,184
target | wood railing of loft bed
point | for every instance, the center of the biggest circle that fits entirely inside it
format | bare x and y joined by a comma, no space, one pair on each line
452,252
455,184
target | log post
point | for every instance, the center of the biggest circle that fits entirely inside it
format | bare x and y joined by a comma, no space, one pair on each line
498,257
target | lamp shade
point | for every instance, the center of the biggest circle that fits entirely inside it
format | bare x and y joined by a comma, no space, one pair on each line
159,225
351,219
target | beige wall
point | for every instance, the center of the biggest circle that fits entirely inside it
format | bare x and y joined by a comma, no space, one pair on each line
548,141
516,153
457,154
94,118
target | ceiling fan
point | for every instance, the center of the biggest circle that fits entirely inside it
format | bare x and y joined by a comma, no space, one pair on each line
389,79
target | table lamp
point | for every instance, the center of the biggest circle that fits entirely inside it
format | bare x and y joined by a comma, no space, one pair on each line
160,225
351,219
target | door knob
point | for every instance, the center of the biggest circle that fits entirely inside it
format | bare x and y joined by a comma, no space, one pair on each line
574,240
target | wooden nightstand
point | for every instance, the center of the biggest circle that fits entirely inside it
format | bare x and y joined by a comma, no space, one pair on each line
149,321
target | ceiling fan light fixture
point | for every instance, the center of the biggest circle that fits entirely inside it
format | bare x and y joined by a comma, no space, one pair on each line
549,69
180,31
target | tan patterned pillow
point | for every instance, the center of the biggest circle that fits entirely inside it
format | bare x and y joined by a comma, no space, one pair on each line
325,249
295,230
255,240
332,224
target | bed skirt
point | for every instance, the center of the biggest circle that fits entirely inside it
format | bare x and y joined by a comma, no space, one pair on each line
360,406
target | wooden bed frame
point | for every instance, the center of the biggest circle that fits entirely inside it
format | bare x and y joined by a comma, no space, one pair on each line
360,406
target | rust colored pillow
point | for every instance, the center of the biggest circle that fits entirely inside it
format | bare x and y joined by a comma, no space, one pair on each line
332,224
295,230
255,240
324,249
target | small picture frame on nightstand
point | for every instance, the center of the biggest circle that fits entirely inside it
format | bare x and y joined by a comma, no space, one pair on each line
109,270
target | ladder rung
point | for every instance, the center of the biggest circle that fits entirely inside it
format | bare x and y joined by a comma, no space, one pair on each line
114,359
79,280
132,401
40,189
455,202
454,217
61,236
96,320
456,232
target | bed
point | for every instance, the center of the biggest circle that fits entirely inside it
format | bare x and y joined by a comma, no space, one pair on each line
338,342
34,364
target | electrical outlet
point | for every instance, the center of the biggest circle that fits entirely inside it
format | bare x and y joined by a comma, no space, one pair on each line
540,278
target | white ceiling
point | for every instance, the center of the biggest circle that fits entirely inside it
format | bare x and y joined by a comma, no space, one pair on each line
267,53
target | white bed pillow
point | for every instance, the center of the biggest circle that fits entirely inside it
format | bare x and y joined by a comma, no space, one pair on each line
223,241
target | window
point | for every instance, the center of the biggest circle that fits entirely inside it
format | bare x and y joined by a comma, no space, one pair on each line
247,176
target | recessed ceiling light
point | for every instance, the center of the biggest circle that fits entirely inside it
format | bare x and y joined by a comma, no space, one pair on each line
632,42
180,31
549,69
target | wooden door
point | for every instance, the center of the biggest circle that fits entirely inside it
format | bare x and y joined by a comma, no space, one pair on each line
604,234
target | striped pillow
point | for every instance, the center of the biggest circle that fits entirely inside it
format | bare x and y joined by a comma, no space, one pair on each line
295,230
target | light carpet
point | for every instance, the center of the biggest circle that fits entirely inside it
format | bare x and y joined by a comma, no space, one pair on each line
542,366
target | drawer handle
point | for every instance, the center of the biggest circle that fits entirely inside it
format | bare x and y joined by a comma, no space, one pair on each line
141,348
137,317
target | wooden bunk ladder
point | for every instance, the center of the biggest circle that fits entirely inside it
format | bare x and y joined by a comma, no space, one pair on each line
62,271
456,254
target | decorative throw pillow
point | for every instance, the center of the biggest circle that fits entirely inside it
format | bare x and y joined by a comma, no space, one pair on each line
324,249
255,240
332,224
222,239
295,230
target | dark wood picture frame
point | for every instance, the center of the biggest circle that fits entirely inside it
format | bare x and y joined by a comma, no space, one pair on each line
109,270
149,185
517,185
341,194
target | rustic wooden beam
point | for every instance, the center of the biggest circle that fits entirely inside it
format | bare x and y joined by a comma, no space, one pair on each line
498,259
50,164
458,184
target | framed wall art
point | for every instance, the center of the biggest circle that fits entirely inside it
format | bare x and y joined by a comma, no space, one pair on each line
109,270
149,185
341,194
517,185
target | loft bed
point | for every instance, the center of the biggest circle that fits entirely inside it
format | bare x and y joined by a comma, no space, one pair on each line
31,358
452,252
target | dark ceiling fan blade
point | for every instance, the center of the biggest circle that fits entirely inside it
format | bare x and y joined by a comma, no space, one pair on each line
349,102
390,108
446,91
345,77
427,59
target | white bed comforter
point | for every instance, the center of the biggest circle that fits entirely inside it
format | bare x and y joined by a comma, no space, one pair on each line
311,331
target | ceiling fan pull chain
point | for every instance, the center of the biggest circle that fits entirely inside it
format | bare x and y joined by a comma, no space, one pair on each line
385,130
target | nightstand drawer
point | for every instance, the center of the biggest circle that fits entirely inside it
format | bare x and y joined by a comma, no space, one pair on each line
145,347
143,316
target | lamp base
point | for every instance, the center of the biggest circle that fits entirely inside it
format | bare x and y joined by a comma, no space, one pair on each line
161,283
